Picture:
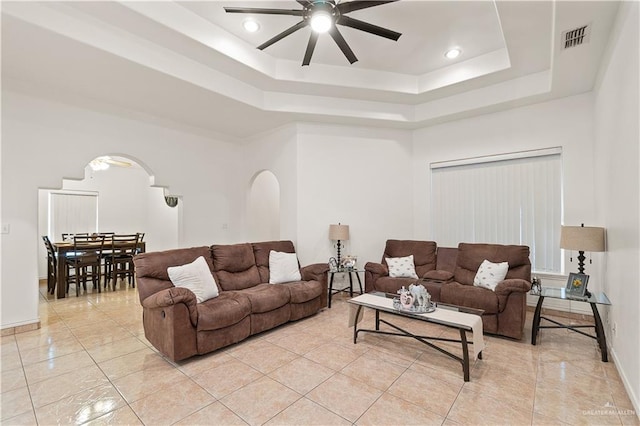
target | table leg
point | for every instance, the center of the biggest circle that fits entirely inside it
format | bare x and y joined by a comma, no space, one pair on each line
62,277
359,282
465,354
355,324
331,287
377,319
535,325
351,284
602,339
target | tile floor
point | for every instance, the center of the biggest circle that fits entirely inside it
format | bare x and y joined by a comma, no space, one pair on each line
90,364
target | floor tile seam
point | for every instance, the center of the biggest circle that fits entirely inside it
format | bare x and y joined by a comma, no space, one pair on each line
33,408
191,414
499,402
327,408
63,397
368,384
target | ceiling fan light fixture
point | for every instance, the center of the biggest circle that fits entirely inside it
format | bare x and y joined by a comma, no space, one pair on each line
251,25
321,21
452,53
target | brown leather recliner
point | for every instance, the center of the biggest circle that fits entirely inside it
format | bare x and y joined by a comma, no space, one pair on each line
246,305
448,273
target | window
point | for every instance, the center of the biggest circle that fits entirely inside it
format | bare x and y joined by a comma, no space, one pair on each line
72,212
505,199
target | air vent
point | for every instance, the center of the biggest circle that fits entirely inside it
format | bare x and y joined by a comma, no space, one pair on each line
577,36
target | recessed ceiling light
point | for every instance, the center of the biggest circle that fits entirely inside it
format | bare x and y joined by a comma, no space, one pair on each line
251,25
321,21
453,53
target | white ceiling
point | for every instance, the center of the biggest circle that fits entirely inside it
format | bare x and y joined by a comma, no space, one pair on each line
192,65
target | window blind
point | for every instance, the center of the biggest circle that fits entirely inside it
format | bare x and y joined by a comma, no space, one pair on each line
72,213
509,200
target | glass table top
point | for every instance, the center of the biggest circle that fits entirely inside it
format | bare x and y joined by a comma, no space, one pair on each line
561,293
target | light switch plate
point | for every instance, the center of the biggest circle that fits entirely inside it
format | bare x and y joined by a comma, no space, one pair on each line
5,228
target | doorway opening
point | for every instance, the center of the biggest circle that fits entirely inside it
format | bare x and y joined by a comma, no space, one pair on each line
263,207
116,195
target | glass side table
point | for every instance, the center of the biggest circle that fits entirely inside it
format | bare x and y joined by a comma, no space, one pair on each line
349,271
560,293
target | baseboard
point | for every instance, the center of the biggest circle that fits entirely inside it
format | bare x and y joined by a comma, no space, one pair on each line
23,328
627,386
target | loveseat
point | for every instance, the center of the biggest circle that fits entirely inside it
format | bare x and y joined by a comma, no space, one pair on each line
448,275
246,303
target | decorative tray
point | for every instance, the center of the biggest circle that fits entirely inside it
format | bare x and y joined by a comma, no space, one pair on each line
414,309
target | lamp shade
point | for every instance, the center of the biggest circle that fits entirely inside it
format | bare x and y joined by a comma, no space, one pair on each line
339,232
582,238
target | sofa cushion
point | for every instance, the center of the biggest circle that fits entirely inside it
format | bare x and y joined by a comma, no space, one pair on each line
392,285
490,274
261,253
267,297
283,267
303,291
424,253
234,266
401,267
472,297
195,276
438,275
470,256
227,309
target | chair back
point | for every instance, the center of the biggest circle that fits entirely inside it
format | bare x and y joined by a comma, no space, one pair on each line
88,244
51,253
124,244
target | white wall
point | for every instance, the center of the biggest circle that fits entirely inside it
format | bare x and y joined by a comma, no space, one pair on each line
43,142
617,137
359,177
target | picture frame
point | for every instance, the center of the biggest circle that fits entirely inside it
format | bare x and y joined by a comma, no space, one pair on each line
577,284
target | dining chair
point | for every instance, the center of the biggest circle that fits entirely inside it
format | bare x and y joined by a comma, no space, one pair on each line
119,264
69,236
85,262
52,265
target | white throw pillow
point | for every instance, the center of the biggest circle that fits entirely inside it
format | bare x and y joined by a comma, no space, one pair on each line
490,274
195,276
401,267
283,267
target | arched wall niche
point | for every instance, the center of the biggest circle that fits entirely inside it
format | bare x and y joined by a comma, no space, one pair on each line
263,207
127,202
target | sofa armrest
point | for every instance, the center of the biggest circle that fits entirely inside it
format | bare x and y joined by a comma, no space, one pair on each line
317,272
504,288
173,296
376,269
373,271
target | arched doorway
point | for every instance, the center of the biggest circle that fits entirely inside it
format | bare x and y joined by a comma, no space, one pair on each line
263,207
125,202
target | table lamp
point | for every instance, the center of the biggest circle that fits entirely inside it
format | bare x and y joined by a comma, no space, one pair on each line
582,238
339,233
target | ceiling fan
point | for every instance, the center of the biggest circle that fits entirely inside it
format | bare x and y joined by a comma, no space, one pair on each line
324,16
104,162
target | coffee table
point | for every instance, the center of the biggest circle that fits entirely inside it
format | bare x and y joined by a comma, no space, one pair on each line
460,318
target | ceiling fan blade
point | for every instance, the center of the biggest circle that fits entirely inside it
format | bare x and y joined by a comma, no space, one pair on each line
291,12
342,44
310,48
283,34
369,28
361,4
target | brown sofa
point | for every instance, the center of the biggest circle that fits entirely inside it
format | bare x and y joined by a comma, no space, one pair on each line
448,275
246,305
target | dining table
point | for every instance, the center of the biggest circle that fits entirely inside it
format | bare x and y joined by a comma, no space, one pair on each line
63,248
